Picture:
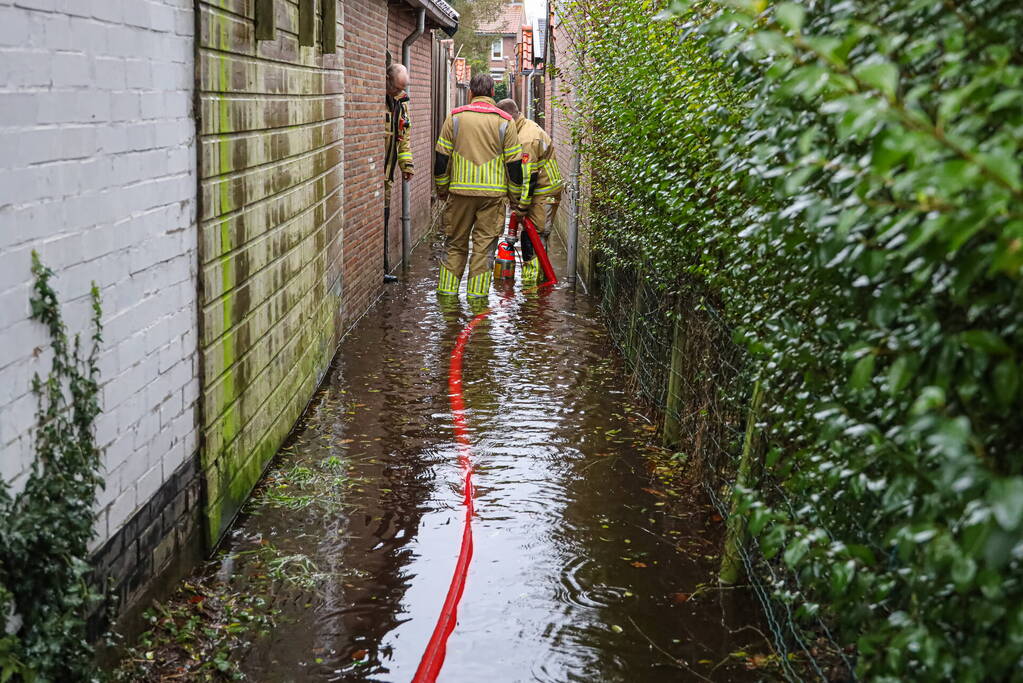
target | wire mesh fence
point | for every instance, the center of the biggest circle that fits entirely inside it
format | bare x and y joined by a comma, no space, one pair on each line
682,359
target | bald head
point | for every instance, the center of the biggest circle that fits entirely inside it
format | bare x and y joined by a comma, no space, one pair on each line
509,107
397,79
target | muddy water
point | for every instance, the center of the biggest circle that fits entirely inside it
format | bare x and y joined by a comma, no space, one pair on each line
581,571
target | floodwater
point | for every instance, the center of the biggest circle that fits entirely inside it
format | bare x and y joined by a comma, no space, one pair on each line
580,572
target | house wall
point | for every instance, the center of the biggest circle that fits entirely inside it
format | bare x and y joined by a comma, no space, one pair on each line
362,249
509,53
230,212
271,217
97,174
559,102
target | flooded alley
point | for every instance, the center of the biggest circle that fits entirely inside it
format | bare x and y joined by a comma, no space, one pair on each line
581,570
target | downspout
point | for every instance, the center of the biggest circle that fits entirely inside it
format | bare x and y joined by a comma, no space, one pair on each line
572,240
549,67
406,186
530,109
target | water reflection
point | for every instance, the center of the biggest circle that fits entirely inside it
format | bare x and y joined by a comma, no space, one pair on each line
574,563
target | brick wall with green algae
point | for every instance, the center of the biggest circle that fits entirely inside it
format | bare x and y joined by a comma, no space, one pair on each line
271,209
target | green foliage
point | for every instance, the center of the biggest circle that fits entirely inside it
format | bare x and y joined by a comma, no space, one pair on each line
500,90
845,178
199,634
46,528
469,44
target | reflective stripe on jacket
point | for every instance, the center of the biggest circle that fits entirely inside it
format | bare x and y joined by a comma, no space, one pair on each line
537,144
397,127
480,142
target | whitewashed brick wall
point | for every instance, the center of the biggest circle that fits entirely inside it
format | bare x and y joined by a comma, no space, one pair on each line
98,174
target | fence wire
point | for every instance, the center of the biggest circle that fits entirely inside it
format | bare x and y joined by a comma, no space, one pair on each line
681,358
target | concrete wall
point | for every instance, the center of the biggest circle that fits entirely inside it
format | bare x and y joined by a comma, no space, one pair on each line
97,174
271,126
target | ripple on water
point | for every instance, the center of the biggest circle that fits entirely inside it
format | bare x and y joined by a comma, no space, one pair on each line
581,585
546,580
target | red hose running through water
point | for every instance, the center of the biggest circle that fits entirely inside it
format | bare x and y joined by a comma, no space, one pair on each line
436,649
433,658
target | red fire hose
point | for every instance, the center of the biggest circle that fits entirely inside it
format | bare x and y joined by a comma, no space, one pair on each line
436,648
538,248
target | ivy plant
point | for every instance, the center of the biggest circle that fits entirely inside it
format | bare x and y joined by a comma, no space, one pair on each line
45,528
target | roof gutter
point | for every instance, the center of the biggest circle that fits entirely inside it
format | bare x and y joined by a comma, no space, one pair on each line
440,13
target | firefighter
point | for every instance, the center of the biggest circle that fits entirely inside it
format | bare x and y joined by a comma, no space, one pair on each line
542,192
478,163
397,126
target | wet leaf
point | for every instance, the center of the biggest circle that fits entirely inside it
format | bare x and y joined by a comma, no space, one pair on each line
1006,498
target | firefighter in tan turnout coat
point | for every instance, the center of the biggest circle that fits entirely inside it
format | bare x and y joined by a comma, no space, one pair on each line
478,163
397,145
397,129
541,192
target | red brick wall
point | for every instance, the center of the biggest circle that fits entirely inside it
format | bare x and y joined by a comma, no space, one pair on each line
402,22
559,99
365,25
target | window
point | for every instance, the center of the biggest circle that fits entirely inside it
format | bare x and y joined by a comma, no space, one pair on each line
497,49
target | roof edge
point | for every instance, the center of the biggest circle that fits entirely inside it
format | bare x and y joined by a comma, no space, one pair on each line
440,13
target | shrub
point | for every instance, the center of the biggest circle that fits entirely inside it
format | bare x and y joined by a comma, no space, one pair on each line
845,178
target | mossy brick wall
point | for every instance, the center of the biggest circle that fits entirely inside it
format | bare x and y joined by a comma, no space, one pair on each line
272,184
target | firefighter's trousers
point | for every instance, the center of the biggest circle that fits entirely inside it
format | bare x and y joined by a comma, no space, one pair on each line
538,213
482,219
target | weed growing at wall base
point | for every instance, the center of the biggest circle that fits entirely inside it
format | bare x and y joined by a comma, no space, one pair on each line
45,594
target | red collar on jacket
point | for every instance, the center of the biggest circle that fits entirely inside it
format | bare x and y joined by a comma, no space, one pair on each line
481,106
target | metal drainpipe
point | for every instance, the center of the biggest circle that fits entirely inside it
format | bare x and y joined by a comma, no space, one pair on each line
530,109
406,186
573,219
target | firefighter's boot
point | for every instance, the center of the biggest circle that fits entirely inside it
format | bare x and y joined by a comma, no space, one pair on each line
479,285
531,271
448,282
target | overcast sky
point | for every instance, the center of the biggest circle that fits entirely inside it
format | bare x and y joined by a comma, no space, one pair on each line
534,8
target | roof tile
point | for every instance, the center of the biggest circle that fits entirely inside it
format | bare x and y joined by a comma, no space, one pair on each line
510,20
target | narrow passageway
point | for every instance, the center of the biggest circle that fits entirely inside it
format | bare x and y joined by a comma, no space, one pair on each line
581,571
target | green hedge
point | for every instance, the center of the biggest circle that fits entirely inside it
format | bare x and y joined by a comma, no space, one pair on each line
845,178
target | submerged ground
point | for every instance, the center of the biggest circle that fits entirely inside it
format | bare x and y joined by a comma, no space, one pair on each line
590,563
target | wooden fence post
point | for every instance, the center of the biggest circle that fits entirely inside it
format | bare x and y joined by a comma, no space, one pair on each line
673,407
636,315
735,527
